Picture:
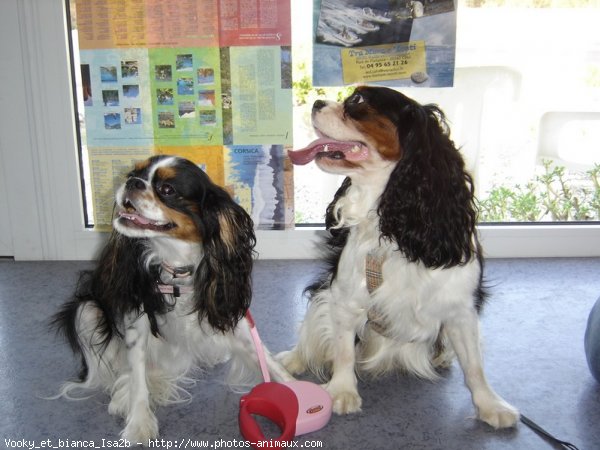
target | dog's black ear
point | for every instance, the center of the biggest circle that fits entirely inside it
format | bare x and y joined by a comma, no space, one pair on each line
334,243
428,206
223,281
119,284
330,219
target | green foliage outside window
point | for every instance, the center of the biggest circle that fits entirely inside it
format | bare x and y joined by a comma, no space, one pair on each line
554,196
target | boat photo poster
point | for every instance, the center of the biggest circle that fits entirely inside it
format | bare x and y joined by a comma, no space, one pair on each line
393,42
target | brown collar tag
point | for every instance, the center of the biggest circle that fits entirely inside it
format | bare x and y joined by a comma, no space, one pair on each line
373,265
373,273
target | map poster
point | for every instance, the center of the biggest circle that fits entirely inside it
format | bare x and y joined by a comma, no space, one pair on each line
398,44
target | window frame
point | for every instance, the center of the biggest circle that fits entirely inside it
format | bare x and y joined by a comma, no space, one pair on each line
40,163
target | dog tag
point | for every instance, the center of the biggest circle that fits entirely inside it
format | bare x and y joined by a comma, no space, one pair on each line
373,267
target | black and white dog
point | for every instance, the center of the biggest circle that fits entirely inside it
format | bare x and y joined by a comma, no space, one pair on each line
404,286
169,294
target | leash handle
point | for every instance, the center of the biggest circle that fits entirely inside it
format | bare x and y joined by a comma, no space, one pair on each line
535,427
262,360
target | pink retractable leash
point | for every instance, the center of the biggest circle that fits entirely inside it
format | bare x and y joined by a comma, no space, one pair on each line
296,407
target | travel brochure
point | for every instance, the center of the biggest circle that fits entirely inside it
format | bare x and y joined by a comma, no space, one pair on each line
395,43
198,79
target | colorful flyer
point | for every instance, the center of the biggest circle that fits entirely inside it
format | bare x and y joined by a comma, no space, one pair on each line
116,98
189,23
261,95
379,41
254,22
383,62
108,167
209,158
146,23
186,78
102,24
185,90
256,174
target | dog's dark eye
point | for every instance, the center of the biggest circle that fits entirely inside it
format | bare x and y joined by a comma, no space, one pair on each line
356,98
166,190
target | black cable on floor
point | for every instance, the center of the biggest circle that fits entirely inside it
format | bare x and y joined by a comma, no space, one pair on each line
539,430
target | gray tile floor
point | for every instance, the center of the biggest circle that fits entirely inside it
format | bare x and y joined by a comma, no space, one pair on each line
532,327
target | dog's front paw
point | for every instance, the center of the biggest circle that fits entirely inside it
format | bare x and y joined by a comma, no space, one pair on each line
292,362
498,413
118,407
141,428
344,401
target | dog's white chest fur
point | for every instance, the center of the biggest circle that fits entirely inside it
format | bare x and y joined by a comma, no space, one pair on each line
411,301
184,342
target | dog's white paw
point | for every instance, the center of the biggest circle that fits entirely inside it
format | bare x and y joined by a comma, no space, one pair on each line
118,408
498,414
141,428
120,397
344,401
291,361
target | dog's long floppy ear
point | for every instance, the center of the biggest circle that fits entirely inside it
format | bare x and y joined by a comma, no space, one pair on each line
330,218
334,244
428,205
118,285
223,281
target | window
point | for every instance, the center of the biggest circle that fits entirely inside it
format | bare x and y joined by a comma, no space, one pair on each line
38,113
525,109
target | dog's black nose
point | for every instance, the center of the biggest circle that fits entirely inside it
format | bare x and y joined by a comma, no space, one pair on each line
135,184
318,105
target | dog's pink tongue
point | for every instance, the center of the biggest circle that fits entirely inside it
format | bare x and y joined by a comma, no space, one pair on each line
353,151
135,217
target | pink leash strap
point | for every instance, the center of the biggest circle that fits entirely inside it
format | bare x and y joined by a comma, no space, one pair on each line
262,360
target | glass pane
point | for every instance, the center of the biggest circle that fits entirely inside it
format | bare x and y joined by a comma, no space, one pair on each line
525,110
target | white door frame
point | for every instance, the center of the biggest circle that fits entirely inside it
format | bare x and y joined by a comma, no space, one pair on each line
39,156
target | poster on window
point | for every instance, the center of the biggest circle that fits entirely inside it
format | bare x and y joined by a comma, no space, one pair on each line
256,174
390,42
201,79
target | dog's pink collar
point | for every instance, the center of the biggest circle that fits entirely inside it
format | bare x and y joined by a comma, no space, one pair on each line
177,273
174,289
